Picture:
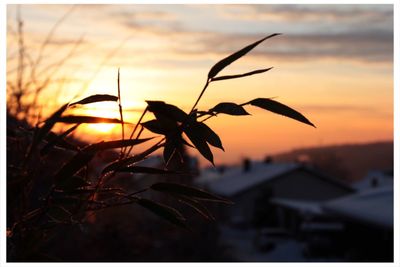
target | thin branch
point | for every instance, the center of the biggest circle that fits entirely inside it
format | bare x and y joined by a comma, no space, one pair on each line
134,130
201,94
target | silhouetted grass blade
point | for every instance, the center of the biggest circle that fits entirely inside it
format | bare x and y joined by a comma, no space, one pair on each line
188,191
49,123
199,142
95,98
149,170
229,108
228,77
80,160
235,56
116,144
86,119
131,160
168,213
166,110
42,132
281,109
58,140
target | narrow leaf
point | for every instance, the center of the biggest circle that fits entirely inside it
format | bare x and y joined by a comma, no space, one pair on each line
235,56
281,109
80,160
160,126
86,119
168,213
154,126
199,142
227,77
59,141
116,144
229,108
188,191
131,160
204,132
47,126
141,169
95,98
160,108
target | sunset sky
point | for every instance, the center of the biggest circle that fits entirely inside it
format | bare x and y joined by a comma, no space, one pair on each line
333,63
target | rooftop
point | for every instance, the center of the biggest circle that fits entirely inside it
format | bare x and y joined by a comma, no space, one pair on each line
235,179
373,206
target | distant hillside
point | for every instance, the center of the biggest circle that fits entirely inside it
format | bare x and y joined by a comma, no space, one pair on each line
349,162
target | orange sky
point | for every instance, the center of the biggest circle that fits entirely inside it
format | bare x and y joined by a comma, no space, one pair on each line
333,63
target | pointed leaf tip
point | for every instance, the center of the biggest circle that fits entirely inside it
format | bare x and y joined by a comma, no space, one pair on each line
228,77
235,56
281,109
95,98
200,142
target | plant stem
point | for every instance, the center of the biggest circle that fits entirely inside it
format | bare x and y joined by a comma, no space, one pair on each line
121,116
134,130
201,94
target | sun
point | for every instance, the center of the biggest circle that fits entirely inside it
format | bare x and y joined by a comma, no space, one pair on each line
102,127
103,110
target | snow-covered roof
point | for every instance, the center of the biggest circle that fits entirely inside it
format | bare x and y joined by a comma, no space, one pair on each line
374,178
235,180
373,206
304,207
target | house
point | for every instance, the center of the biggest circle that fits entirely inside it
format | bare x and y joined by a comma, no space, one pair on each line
368,221
374,179
256,187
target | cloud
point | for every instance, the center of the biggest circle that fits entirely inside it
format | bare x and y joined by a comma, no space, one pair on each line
364,46
177,34
363,43
309,12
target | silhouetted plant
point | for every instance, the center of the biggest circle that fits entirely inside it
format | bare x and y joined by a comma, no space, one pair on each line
71,196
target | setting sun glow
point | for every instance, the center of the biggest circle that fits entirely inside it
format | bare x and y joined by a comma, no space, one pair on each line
102,110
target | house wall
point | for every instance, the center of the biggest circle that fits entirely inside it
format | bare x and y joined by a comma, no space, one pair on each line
299,184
